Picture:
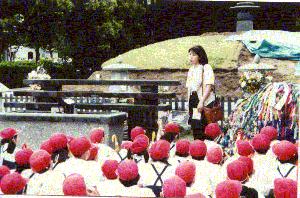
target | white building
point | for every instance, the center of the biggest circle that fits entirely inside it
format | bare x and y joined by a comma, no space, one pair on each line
20,53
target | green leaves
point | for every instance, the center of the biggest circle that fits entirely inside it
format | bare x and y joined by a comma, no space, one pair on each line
88,31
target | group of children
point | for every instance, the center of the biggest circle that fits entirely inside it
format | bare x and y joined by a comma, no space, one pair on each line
166,167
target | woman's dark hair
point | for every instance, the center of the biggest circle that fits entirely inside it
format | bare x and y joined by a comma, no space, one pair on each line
145,154
262,151
11,144
182,155
131,182
62,155
293,160
165,161
170,137
198,158
20,168
197,49
249,192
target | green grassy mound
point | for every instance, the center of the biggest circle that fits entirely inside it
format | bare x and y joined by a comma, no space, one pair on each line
173,53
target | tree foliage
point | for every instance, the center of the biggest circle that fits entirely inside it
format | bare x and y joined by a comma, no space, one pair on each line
88,31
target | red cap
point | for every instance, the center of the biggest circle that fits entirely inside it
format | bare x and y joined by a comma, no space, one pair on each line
249,162
97,135
109,168
270,132
78,146
12,183
93,152
128,170
160,150
74,185
229,189
284,150
40,160
58,141
186,170
4,170
136,131
8,133
183,147
22,156
198,148
126,145
214,155
244,148
261,143
285,188
174,187
172,128
213,130
47,146
237,170
140,144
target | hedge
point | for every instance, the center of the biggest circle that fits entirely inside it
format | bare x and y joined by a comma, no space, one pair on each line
13,73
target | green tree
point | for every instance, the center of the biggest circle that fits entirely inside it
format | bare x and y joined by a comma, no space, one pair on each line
132,16
91,27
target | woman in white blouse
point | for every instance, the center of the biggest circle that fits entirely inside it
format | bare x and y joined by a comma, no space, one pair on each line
200,89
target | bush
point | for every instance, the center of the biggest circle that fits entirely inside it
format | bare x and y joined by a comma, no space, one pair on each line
13,73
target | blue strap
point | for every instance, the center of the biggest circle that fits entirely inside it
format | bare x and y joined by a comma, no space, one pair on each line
287,174
159,174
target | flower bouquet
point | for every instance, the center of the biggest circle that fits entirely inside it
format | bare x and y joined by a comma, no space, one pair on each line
39,74
252,81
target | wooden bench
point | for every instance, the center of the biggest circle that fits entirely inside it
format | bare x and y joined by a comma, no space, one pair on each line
143,112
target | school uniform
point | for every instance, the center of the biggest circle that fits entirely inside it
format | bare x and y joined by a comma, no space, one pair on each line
106,153
202,184
152,175
50,183
47,183
194,84
90,170
263,177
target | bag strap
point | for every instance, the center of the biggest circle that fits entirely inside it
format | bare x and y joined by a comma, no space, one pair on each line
214,88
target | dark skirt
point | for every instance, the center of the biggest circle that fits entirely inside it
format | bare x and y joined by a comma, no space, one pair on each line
197,126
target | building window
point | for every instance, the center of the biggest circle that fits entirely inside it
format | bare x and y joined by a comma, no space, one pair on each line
30,55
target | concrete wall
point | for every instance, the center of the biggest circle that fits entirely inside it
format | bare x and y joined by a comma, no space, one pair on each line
34,128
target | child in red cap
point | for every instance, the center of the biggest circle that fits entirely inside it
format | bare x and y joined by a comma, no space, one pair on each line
174,187
212,131
137,131
4,170
80,147
182,152
284,188
74,185
12,183
22,158
198,149
138,149
270,132
158,168
58,146
228,189
8,147
186,170
287,156
97,135
213,166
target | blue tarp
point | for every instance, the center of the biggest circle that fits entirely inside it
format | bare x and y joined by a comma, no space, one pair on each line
271,43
